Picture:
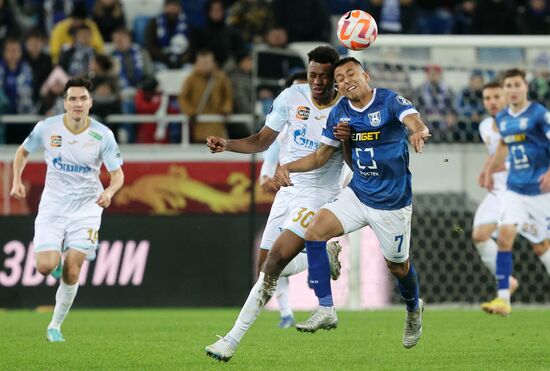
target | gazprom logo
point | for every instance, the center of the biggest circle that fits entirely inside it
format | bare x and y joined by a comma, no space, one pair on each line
301,139
70,168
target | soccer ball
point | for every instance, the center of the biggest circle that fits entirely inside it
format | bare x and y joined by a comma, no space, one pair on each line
357,30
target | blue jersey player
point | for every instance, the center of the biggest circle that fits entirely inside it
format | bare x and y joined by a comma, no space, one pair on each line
379,194
525,131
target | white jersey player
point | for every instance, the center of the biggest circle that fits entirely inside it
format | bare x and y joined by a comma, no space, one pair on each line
69,214
301,112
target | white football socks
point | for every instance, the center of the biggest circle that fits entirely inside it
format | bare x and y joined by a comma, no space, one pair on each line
63,301
545,260
488,252
283,297
295,266
259,294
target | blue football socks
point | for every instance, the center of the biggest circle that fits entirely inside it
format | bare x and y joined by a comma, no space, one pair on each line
408,286
504,269
319,271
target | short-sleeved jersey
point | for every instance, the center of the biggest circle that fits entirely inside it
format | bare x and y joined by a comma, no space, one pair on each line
526,133
379,148
295,115
491,139
73,165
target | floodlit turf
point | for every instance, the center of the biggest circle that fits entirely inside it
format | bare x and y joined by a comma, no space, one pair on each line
175,339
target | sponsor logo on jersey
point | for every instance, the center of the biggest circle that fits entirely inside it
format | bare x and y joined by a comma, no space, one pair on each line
299,137
302,112
95,135
374,118
365,136
403,101
514,138
70,168
55,140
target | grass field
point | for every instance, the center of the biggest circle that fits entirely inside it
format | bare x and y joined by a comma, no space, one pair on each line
175,339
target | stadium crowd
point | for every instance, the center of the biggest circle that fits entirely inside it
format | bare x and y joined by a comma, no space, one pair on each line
45,42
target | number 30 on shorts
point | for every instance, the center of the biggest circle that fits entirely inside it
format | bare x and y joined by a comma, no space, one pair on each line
304,216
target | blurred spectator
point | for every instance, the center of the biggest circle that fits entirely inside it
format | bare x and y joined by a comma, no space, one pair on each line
494,17
54,11
241,82
392,76
101,68
464,14
149,101
108,15
470,104
252,18
539,87
16,84
76,59
194,10
51,99
436,100
225,41
206,91
39,61
167,37
299,77
63,33
134,62
534,18
434,16
8,25
309,22
274,65
394,16
106,100
28,14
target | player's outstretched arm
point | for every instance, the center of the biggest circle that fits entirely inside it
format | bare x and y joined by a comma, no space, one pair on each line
420,132
117,180
255,143
495,164
19,163
307,163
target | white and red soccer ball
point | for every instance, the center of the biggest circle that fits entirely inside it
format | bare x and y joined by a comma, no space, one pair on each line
357,30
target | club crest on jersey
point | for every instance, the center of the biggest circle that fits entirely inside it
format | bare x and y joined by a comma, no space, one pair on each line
55,140
302,112
374,118
403,101
523,123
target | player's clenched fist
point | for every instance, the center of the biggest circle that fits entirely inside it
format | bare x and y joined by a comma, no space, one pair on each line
104,199
216,144
282,176
18,191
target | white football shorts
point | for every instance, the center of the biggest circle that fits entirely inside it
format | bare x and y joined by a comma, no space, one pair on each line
489,210
392,227
531,214
58,233
292,210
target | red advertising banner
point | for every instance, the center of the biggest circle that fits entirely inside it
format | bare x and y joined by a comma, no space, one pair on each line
162,188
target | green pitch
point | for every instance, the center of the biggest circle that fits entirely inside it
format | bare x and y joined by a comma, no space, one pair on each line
175,339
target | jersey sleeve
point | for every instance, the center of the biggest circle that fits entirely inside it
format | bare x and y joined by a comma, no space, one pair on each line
328,137
271,159
401,107
546,122
110,153
34,141
277,117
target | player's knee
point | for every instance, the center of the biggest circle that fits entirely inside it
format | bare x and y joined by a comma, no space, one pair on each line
70,274
45,267
479,236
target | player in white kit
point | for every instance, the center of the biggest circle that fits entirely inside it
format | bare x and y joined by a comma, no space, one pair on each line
301,111
488,212
69,214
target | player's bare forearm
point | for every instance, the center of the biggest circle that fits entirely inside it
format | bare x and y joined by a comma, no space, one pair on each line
117,180
255,143
347,152
496,163
312,161
419,131
19,163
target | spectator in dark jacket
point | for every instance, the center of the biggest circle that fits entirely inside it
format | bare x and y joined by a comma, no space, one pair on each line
108,15
308,21
39,61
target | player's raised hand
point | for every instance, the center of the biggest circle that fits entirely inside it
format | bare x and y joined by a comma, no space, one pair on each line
216,144
18,191
342,131
418,139
282,176
489,182
544,181
104,199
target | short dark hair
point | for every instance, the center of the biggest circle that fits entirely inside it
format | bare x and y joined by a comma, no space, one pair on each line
301,75
491,85
513,72
323,54
80,82
346,60
35,33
